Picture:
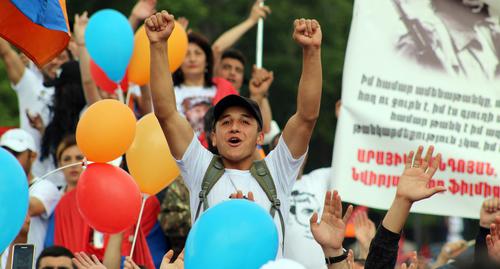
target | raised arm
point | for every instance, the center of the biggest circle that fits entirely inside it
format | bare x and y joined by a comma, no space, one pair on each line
259,90
176,128
330,231
412,187
141,11
299,128
13,63
228,38
89,87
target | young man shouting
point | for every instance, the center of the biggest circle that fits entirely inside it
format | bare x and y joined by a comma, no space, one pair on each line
237,129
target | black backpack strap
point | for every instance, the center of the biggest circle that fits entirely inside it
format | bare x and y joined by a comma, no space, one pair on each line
261,173
214,172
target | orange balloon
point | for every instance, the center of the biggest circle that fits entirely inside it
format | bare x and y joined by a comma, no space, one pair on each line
105,131
138,69
148,158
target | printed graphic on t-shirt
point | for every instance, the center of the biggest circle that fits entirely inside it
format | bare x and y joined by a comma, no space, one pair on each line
302,206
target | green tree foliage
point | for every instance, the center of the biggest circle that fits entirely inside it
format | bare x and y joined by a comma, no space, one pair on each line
281,54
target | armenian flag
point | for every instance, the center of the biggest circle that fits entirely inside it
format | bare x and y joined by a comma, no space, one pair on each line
39,28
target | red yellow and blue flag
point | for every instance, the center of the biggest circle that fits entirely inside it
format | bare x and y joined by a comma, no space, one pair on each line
39,28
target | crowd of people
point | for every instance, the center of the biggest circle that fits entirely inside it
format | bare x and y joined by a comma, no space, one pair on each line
225,145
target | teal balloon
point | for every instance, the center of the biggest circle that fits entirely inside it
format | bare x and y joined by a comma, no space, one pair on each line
110,42
13,198
233,234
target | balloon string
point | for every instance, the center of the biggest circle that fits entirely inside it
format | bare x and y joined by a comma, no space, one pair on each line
144,197
57,170
127,99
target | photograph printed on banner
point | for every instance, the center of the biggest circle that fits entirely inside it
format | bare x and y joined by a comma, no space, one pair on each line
459,37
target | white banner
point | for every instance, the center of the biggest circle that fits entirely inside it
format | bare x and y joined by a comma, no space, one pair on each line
421,72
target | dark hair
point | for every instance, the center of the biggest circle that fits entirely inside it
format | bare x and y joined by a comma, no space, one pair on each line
54,251
204,44
11,151
67,142
68,102
209,128
234,54
274,141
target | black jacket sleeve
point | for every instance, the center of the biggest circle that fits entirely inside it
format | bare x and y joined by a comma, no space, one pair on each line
383,250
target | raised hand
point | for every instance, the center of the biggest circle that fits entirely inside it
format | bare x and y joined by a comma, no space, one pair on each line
260,82
143,9
448,251
159,27
184,22
364,230
413,184
493,240
307,33
258,11
36,121
489,210
79,27
239,195
329,233
177,264
83,261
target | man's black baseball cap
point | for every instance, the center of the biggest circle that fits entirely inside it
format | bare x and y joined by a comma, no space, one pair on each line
240,101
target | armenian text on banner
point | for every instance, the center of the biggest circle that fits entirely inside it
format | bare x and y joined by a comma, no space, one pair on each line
421,72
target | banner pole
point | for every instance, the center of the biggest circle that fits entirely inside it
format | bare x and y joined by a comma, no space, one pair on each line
260,40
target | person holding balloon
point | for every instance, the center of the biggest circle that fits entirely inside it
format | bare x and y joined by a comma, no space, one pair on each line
237,124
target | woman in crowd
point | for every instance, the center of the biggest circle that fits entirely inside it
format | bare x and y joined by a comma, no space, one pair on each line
194,84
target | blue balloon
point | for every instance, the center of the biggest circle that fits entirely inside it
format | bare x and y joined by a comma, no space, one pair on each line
233,234
110,42
13,198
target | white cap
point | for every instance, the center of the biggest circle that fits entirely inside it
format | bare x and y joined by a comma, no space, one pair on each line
282,264
18,140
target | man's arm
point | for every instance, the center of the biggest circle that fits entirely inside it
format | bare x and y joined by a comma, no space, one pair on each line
412,187
259,90
89,87
145,103
299,128
176,128
142,10
13,63
36,207
228,38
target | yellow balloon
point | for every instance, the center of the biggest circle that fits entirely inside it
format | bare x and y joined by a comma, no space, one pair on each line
105,131
148,158
138,69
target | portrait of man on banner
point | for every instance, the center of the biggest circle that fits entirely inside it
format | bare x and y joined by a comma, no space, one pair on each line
459,37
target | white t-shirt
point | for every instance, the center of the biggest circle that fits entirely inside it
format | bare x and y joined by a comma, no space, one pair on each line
35,98
282,166
307,197
48,194
32,96
193,103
